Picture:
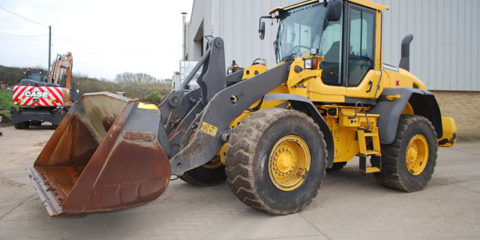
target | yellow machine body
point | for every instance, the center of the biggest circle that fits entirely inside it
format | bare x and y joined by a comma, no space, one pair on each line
349,140
345,131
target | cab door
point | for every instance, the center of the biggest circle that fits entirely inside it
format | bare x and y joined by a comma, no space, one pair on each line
362,53
330,86
351,51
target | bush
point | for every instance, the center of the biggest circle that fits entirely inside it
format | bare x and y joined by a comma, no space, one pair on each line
155,97
6,103
137,86
12,75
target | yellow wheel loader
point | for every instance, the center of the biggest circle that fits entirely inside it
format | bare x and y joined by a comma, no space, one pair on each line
270,133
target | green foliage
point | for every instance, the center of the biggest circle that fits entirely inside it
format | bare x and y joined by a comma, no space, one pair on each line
135,85
86,85
155,97
12,75
6,103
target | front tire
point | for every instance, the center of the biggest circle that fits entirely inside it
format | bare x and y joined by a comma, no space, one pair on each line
276,161
408,163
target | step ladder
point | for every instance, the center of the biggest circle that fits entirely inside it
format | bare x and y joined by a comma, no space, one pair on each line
374,153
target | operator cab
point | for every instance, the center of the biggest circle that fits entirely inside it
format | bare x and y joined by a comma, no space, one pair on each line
37,79
344,34
35,76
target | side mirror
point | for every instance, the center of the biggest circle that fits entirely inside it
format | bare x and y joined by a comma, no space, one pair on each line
334,11
261,30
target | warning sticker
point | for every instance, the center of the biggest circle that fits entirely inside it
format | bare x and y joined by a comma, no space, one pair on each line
209,129
147,106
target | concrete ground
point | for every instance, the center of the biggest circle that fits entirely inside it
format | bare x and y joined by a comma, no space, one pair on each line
350,205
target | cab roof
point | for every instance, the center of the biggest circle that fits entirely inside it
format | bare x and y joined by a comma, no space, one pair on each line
365,3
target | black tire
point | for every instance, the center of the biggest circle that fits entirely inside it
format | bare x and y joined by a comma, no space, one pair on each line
395,173
337,166
36,123
247,162
22,125
205,176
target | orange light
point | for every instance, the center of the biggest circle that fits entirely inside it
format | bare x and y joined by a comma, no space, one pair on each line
314,63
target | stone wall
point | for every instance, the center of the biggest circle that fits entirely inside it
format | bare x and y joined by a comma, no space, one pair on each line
464,107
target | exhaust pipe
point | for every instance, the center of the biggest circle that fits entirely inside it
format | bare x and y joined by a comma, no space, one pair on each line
405,54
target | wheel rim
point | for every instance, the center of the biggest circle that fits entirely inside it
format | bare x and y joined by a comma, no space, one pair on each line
416,156
289,163
214,163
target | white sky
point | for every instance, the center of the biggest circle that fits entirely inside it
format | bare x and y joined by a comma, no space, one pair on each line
109,37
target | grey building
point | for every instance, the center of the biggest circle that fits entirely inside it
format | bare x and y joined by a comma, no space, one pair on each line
444,52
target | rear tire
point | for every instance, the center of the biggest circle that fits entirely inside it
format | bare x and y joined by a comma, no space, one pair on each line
261,176
205,175
22,125
403,164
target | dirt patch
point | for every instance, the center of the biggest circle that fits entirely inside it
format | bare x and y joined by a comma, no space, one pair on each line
10,183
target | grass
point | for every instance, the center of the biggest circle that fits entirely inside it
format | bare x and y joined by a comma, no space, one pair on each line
5,102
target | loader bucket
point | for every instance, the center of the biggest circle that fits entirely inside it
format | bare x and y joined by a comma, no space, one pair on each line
104,156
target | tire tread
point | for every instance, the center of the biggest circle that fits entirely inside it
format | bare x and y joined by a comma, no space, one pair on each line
241,154
391,156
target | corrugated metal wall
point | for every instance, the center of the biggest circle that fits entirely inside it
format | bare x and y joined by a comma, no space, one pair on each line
240,26
445,50
444,54
237,23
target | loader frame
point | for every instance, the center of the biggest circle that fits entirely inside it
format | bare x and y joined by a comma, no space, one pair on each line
190,120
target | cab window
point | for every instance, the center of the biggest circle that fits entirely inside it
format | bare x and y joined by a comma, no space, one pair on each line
331,49
362,38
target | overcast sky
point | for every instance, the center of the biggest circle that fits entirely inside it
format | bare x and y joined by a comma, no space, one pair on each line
106,37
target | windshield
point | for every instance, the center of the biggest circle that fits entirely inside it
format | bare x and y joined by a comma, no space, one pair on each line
35,76
304,28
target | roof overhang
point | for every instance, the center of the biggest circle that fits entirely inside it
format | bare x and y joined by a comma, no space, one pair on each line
365,3
370,4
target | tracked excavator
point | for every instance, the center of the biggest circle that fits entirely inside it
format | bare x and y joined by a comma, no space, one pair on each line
271,134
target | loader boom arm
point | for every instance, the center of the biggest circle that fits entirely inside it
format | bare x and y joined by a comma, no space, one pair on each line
196,123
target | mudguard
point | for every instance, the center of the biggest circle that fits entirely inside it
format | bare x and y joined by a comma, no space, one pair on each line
422,101
304,104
